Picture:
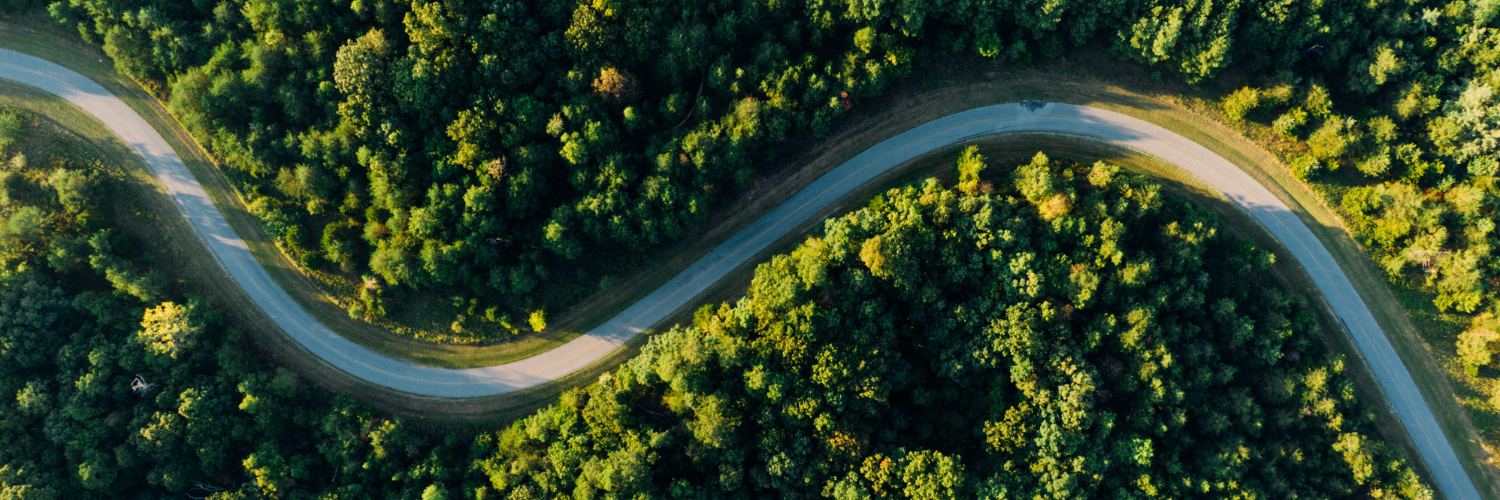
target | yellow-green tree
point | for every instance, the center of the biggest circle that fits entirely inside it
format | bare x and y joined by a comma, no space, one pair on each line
168,329
1476,346
970,165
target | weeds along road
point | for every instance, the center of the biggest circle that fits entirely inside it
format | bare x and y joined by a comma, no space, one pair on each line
1027,117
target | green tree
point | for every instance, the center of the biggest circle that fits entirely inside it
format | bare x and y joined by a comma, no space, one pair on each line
1241,103
1476,346
969,167
11,131
169,329
1470,125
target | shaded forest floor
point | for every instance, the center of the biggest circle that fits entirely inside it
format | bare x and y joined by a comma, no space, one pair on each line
944,84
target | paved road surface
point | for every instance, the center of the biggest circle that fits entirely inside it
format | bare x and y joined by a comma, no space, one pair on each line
1007,118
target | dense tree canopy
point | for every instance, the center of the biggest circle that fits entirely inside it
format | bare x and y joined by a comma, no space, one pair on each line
483,149
942,344
1060,335
512,153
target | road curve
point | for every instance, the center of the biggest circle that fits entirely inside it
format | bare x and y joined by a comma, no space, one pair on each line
999,119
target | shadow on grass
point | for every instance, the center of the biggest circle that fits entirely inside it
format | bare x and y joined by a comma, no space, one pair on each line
1051,83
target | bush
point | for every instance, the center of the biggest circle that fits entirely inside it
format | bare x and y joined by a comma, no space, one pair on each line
1278,95
1376,164
1318,102
538,320
1304,166
1383,129
1241,103
340,241
73,189
1332,139
25,224
1290,123
10,130
970,165
1360,200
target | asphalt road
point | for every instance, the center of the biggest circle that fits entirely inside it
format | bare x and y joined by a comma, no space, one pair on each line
1000,119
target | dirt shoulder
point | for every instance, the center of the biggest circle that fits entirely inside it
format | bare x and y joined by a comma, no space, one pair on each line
1089,77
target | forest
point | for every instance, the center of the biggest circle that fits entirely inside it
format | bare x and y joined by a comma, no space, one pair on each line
517,155
480,151
1052,329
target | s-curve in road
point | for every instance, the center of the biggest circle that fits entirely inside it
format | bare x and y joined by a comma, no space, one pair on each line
1026,117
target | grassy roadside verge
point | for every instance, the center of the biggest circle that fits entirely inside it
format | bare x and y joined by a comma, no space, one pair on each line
1287,271
1398,310
1018,148
1184,110
200,271
196,268
951,88
911,103
38,37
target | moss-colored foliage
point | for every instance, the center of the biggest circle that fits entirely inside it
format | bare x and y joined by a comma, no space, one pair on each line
969,167
168,329
945,344
116,385
515,153
1240,103
10,131
921,348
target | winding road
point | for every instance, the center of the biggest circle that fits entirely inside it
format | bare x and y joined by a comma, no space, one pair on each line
1028,117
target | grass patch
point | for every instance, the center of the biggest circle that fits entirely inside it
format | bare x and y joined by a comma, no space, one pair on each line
1423,336
139,208
1191,112
33,34
942,88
